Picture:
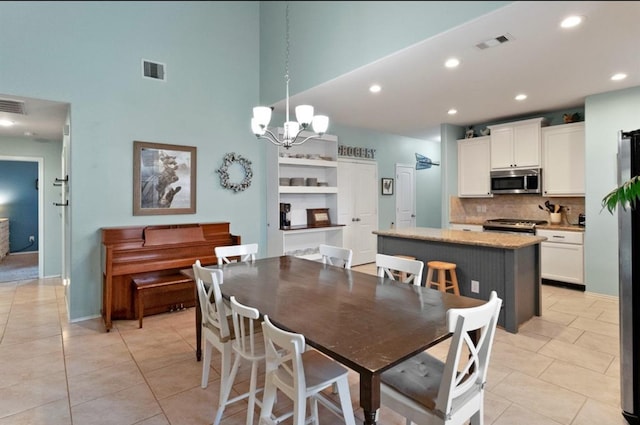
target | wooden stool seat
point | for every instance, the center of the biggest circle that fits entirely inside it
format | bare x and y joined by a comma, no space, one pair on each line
402,276
442,283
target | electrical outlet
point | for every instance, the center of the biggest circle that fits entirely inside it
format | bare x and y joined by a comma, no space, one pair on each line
475,286
32,238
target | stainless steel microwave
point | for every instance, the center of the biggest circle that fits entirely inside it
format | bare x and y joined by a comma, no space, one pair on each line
520,181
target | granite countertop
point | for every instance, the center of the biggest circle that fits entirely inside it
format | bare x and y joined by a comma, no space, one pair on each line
489,239
561,226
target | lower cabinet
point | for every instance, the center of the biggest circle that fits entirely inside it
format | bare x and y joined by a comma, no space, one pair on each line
562,256
358,208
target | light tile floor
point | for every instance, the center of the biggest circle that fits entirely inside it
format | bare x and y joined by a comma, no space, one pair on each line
561,368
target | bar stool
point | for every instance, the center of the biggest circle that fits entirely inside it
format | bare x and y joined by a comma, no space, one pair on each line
442,267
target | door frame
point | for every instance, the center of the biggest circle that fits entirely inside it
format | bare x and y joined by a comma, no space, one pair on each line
41,235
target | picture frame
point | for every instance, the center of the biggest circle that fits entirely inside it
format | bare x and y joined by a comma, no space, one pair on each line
387,186
318,217
164,179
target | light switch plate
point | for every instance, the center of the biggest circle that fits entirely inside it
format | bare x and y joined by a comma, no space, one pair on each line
475,286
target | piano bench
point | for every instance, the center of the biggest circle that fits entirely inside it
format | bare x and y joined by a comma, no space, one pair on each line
157,284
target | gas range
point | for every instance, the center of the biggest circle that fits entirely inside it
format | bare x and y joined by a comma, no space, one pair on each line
512,225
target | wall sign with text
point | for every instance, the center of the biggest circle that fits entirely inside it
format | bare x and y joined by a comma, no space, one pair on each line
356,152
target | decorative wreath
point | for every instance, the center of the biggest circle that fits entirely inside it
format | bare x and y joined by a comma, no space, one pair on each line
227,161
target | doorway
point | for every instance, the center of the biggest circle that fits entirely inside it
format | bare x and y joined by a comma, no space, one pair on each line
20,177
405,196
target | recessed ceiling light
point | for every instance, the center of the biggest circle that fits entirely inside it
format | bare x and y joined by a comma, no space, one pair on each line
28,133
452,63
571,21
375,88
618,77
521,97
452,111
6,123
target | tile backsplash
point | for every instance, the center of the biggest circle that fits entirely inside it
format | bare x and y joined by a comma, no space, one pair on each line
477,210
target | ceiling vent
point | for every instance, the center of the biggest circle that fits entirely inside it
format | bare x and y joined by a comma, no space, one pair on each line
12,106
153,70
496,41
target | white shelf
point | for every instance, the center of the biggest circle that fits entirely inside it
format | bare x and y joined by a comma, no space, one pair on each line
308,189
312,230
307,162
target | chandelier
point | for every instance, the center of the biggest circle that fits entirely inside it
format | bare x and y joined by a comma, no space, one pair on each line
292,130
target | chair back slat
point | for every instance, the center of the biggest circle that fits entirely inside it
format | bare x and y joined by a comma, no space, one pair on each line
244,320
284,355
246,252
460,383
336,256
388,264
211,303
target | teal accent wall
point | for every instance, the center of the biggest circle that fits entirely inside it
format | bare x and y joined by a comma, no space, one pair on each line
19,203
89,54
331,38
49,152
391,150
607,113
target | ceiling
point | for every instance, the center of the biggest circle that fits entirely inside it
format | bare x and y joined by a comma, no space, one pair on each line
42,120
557,68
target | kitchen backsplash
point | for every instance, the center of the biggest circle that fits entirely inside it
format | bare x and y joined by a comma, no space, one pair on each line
477,210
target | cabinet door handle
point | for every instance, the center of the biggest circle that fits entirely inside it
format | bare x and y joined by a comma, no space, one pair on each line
558,237
357,219
353,219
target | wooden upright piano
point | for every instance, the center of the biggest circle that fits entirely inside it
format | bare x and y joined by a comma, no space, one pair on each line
158,250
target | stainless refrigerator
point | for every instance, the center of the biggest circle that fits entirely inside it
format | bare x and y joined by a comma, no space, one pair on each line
629,274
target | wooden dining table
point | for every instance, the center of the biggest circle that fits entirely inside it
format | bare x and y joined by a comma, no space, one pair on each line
367,323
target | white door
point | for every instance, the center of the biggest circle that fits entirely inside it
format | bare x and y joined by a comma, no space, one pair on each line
358,208
405,196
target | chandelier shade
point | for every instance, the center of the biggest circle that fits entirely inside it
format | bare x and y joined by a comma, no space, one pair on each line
292,130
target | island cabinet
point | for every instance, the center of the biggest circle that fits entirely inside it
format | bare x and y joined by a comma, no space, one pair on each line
304,178
506,263
563,152
474,164
516,144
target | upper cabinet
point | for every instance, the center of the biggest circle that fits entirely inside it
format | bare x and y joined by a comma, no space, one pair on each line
473,167
563,160
516,144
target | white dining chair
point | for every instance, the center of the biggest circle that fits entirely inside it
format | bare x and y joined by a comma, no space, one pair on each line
301,375
426,391
387,265
248,345
336,256
215,324
246,252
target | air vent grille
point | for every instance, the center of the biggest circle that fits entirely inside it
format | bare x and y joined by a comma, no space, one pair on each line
12,106
496,41
153,70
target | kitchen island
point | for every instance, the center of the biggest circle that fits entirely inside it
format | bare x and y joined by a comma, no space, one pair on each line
504,262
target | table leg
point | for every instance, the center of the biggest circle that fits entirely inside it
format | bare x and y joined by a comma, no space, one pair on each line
370,397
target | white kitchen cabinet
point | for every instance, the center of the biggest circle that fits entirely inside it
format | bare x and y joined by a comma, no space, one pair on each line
466,227
474,167
315,159
358,207
563,160
562,256
516,144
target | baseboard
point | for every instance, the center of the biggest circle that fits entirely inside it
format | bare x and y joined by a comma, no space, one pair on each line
567,285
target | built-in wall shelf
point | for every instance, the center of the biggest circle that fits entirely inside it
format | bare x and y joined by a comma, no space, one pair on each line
306,229
308,162
308,189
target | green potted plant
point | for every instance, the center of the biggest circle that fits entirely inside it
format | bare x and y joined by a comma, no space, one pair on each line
627,193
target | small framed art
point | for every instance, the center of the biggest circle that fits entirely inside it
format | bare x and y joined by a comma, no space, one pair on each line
387,186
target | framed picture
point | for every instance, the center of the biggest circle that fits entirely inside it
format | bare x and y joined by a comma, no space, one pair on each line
164,179
387,186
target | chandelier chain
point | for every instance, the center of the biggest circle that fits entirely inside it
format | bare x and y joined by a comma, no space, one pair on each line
286,63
